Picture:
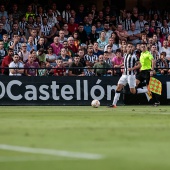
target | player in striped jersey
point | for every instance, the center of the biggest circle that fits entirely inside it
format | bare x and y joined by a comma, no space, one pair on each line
131,64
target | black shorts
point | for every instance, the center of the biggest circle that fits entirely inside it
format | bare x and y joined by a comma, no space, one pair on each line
144,75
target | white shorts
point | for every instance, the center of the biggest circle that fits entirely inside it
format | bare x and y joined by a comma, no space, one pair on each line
128,79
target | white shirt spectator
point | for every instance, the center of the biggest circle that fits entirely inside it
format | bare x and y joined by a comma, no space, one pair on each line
15,65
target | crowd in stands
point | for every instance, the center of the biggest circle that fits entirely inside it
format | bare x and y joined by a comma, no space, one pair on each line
44,40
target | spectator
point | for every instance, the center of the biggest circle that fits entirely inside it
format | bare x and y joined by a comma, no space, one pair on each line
51,57
2,31
159,34
16,67
76,68
2,11
122,34
56,46
15,44
90,58
67,34
140,22
134,14
6,26
147,30
6,61
52,21
47,31
71,45
100,18
16,14
107,30
96,50
82,34
166,49
31,67
61,37
134,35
112,44
72,26
30,44
77,40
102,41
127,21
56,12
29,12
117,62
156,42
66,60
102,68
23,54
152,26
5,41
3,52
68,52
93,36
43,71
165,29
81,13
99,27
15,30
162,64
41,44
41,55
66,13
59,69
87,26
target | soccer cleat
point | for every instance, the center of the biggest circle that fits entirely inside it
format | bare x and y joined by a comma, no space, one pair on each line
156,104
112,106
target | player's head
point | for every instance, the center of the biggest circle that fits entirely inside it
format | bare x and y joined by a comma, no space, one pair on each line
143,47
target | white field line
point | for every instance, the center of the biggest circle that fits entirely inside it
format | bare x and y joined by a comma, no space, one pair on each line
30,158
61,153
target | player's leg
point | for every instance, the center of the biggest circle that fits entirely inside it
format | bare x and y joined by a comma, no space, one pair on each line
140,78
132,83
121,83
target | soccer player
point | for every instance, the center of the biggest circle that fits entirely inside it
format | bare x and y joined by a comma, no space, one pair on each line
147,69
131,64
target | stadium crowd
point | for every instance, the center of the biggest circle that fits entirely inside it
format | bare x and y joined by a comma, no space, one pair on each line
41,40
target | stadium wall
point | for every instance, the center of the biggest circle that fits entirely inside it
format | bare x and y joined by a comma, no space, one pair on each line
69,91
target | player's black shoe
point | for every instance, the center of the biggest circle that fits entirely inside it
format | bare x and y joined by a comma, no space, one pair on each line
156,104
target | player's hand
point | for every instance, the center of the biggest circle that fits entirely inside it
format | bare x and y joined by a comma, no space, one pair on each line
130,69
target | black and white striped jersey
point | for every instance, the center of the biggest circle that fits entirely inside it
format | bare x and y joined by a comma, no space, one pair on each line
91,58
66,15
22,25
46,29
127,24
130,61
17,47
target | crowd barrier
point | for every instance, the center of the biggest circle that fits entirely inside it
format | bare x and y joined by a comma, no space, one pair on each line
70,91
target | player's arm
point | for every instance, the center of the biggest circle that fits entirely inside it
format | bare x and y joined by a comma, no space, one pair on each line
136,67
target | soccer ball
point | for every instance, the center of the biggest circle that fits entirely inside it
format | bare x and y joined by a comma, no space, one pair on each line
95,103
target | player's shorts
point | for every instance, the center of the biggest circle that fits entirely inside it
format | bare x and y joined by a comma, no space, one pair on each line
144,75
128,79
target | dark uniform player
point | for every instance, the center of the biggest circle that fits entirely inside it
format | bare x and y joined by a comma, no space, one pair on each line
147,69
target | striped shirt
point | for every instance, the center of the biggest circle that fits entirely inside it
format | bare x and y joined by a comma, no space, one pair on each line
66,15
127,24
91,58
17,47
129,62
46,29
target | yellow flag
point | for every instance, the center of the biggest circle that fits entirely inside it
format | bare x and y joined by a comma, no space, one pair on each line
155,86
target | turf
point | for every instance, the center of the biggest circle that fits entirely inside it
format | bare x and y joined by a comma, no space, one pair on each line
128,137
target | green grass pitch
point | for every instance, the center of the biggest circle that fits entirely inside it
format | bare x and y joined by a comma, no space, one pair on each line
127,138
